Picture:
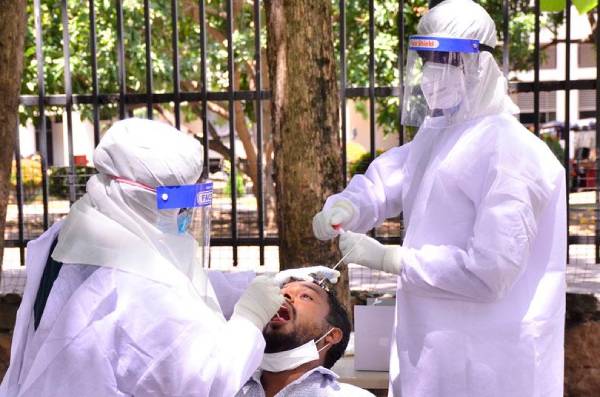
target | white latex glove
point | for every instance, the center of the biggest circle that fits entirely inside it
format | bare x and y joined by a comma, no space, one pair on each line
259,302
304,273
329,223
367,251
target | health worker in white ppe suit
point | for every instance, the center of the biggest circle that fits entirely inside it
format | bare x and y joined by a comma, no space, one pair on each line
129,310
481,272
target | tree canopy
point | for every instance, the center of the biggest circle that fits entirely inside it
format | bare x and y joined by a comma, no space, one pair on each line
521,27
357,17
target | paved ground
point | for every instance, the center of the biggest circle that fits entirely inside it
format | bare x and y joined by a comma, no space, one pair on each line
583,276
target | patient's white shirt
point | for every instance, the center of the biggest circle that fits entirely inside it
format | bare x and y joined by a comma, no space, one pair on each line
317,382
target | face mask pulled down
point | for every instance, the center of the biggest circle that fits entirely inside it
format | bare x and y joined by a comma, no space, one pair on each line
290,359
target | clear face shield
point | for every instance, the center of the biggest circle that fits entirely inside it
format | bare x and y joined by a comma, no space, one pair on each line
184,211
439,72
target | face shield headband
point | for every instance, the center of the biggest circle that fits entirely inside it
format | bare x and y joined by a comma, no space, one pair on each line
436,84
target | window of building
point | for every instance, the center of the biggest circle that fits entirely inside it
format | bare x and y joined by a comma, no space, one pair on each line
547,101
587,104
586,55
587,114
548,58
547,108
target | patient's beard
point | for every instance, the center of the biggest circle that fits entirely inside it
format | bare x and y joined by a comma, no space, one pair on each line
277,341
281,341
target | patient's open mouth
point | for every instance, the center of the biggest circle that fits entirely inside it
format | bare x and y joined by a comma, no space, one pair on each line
282,315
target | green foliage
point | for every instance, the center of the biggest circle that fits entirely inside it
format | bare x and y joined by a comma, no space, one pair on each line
354,151
554,145
31,177
135,49
239,186
31,173
521,28
386,51
584,6
387,44
360,166
58,180
552,5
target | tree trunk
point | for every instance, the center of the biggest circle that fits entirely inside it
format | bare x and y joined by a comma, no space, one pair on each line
305,127
12,32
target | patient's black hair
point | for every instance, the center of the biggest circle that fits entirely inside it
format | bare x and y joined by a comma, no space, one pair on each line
337,317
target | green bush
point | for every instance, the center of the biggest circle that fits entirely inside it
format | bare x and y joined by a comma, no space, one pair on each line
354,151
554,145
239,186
31,177
31,172
360,166
59,182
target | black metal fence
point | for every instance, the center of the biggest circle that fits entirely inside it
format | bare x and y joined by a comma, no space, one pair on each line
203,96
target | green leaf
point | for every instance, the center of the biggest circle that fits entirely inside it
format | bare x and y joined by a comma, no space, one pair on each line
584,6
553,5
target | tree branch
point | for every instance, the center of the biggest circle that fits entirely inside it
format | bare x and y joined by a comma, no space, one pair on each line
190,7
218,147
216,34
218,109
168,116
593,25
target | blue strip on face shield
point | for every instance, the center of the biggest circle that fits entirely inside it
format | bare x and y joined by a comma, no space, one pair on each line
445,50
445,44
186,199
442,50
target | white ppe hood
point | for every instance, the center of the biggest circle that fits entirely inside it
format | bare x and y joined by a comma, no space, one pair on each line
464,19
115,224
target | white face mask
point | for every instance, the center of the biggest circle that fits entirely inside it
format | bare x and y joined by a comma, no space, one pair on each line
442,85
290,359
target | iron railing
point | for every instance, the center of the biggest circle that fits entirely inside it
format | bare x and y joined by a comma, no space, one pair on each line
258,95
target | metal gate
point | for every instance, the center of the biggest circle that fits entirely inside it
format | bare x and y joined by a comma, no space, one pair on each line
123,101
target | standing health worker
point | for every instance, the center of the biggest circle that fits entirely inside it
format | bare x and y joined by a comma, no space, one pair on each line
481,289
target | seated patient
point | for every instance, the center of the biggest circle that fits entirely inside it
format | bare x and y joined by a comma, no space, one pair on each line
303,341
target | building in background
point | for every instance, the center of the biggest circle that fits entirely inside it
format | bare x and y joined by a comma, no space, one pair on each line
553,68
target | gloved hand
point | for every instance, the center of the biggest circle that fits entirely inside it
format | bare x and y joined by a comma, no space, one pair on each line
367,251
259,302
304,273
339,215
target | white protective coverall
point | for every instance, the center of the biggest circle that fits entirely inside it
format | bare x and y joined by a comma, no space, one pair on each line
481,289
127,314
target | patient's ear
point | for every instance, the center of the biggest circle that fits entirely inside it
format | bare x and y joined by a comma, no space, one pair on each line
334,336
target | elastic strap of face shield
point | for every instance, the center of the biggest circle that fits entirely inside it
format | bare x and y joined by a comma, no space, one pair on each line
132,183
486,48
